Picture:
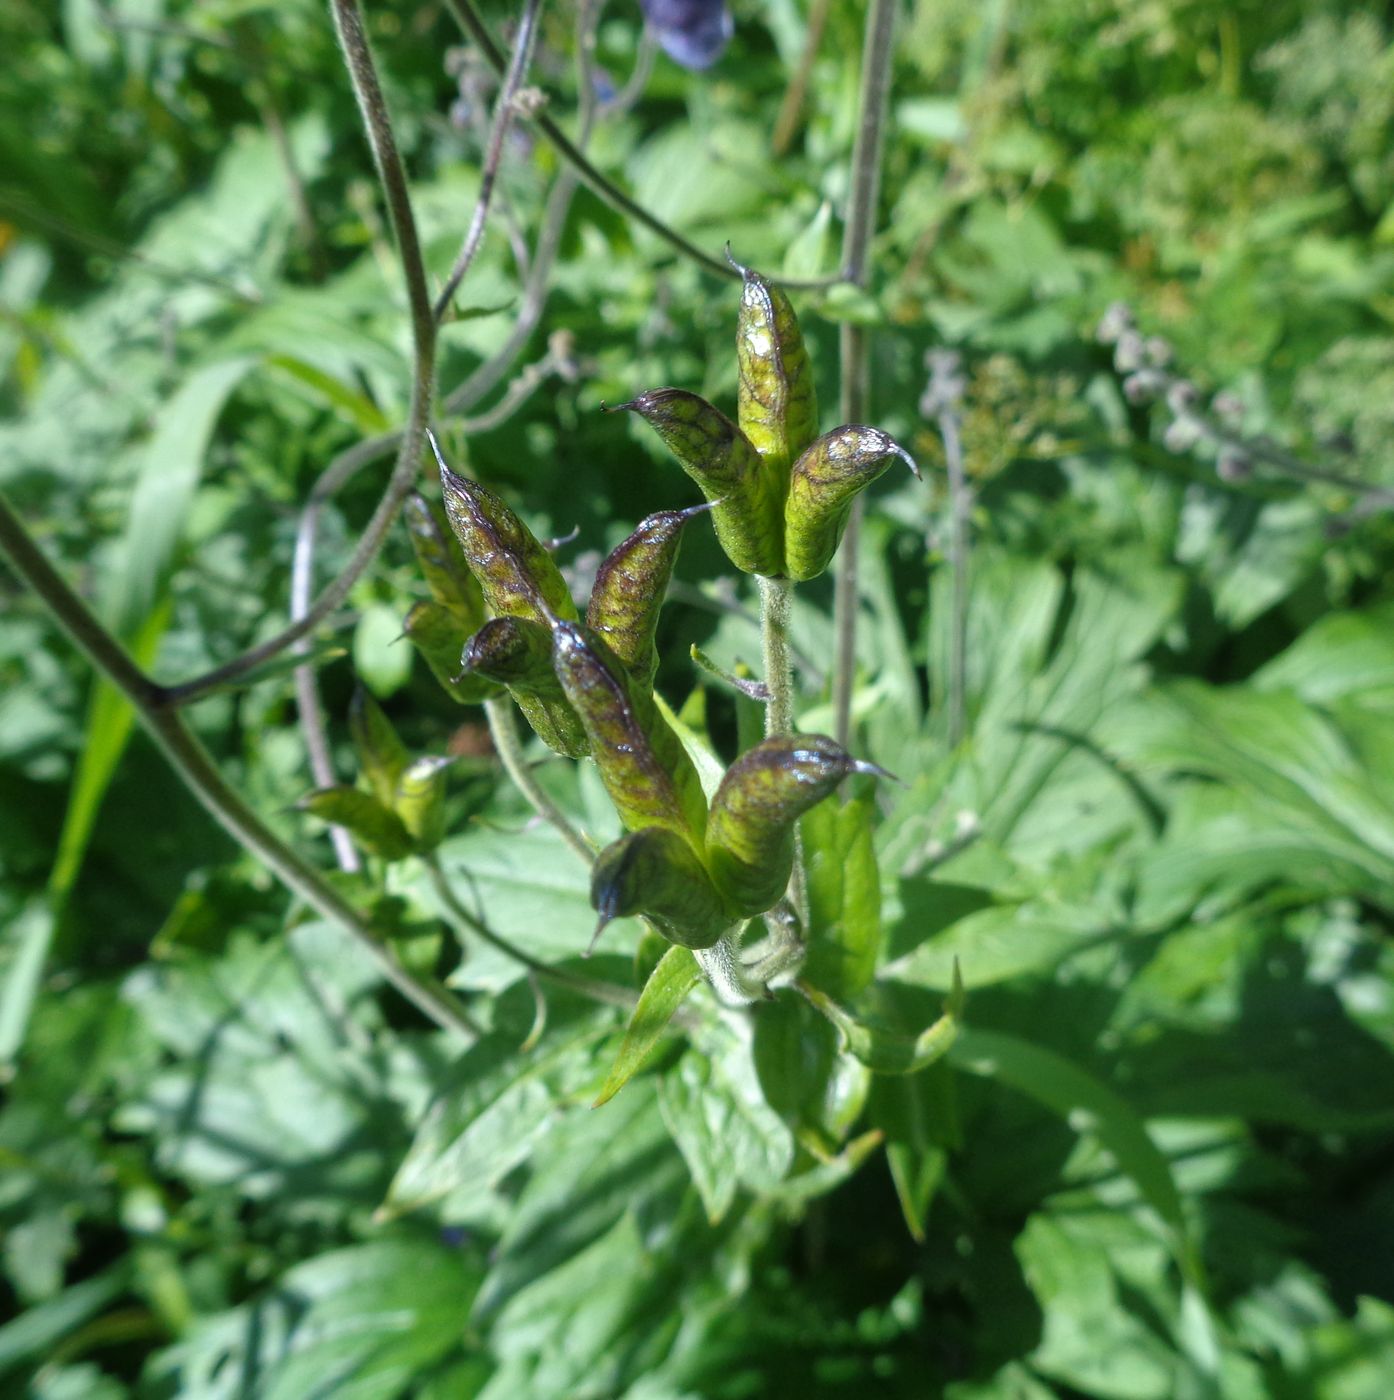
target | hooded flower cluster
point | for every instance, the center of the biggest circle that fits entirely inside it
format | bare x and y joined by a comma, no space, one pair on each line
501,621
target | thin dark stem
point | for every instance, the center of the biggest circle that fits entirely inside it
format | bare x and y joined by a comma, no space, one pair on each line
460,400
200,775
469,20
1286,462
960,501
866,154
358,59
604,992
853,342
503,729
504,110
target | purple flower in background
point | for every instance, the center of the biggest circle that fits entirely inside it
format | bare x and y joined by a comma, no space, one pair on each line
692,32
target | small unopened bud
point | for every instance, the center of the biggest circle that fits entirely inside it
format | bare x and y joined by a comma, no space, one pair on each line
529,101
1182,396
1233,465
1130,353
1117,318
1143,387
1228,408
561,345
1158,351
1181,435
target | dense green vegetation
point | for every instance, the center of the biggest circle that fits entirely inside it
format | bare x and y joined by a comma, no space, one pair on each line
1151,821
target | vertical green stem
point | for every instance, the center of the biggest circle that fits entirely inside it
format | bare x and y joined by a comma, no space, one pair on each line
856,252
776,608
776,598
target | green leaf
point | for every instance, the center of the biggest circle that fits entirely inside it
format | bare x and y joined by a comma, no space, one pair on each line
1002,943
1087,1105
917,1176
1298,772
164,492
379,655
365,416
807,254
535,892
29,935
496,1109
600,1167
377,828
844,897
669,983
818,1091
37,1331
1338,656
382,756
728,1135
364,1323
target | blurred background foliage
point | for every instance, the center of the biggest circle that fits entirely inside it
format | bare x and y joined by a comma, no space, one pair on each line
230,1165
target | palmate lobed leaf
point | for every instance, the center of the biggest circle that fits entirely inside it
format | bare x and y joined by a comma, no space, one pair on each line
1292,765
729,1136
498,1106
363,1322
1088,1105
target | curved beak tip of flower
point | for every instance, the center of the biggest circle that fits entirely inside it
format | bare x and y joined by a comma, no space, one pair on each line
601,925
874,770
908,460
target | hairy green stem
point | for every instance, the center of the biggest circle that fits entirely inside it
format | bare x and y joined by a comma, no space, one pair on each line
503,728
776,612
776,605
191,761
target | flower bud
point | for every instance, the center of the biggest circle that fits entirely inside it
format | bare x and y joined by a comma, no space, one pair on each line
824,482
776,405
746,493
656,873
750,833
